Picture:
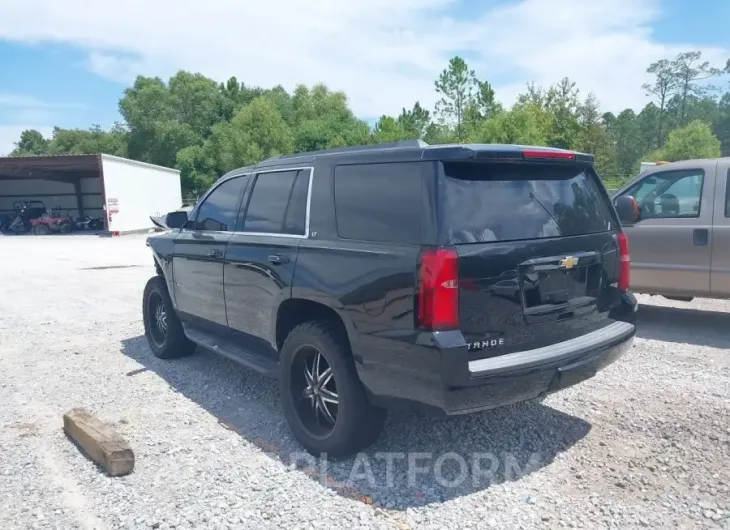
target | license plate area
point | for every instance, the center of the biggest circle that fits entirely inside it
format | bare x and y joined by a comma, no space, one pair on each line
553,286
558,288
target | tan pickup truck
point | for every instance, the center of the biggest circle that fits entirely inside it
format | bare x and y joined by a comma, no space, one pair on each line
677,217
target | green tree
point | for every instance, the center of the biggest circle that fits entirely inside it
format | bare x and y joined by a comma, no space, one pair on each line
415,122
163,119
524,124
322,120
237,95
593,137
31,143
624,133
255,133
689,72
437,133
664,84
721,125
388,129
195,101
694,140
455,86
197,167
562,101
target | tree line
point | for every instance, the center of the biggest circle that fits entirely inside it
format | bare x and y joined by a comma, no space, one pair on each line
205,128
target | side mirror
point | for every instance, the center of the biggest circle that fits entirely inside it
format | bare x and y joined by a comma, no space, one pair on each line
627,209
176,219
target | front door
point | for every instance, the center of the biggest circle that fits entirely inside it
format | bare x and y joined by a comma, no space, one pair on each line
671,243
262,254
199,251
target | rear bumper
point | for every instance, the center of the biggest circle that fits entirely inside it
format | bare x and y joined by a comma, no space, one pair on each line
544,371
445,382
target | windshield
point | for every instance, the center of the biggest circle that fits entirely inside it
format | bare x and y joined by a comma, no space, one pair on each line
484,202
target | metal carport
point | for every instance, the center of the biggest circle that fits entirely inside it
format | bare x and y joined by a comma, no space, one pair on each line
69,183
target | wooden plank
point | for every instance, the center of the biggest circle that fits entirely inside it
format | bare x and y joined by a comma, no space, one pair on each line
99,441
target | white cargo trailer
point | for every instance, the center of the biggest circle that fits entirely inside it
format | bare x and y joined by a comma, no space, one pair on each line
126,193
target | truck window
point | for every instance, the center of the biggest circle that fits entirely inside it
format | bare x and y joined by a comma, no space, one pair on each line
670,194
220,209
379,202
482,202
278,203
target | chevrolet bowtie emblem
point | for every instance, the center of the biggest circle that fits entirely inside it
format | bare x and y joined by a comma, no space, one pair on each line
568,262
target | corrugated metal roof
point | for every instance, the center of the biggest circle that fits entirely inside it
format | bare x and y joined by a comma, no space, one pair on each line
61,167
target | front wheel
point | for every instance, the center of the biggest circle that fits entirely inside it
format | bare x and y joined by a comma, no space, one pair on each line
162,327
323,399
41,229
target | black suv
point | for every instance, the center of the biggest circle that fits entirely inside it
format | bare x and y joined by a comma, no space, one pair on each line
450,278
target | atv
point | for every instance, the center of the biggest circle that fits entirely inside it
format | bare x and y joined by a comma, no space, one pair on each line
52,223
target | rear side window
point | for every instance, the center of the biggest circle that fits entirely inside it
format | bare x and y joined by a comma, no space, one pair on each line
379,202
483,202
278,203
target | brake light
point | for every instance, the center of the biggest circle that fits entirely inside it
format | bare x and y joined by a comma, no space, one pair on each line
438,296
624,258
564,155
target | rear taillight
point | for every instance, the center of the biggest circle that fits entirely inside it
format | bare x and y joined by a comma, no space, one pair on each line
438,294
624,258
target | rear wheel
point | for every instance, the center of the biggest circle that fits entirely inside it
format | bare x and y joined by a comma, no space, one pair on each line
323,399
162,327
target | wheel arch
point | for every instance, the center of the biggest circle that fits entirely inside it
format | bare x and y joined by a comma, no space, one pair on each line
295,311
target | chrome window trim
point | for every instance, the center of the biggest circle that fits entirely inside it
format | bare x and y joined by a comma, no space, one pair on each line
307,211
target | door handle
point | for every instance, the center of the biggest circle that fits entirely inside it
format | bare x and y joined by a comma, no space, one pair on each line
278,259
215,254
700,237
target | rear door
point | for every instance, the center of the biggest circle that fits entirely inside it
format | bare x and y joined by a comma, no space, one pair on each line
262,253
538,252
198,254
671,247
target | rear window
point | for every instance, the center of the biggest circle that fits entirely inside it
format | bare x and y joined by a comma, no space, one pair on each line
484,202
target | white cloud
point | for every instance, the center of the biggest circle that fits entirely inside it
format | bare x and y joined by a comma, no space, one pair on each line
385,54
25,102
10,134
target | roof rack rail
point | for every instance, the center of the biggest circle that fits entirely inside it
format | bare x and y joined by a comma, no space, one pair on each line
401,144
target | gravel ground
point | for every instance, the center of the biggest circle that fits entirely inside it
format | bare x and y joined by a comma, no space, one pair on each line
644,443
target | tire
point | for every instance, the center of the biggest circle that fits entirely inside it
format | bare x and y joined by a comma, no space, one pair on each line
41,230
66,228
624,313
357,423
169,342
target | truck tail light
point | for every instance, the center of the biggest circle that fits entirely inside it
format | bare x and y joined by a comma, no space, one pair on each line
624,274
438,293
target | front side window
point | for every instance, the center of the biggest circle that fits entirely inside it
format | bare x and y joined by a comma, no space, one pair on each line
219,211
669,194
278,203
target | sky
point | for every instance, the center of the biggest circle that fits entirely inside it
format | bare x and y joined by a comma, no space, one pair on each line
67,62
